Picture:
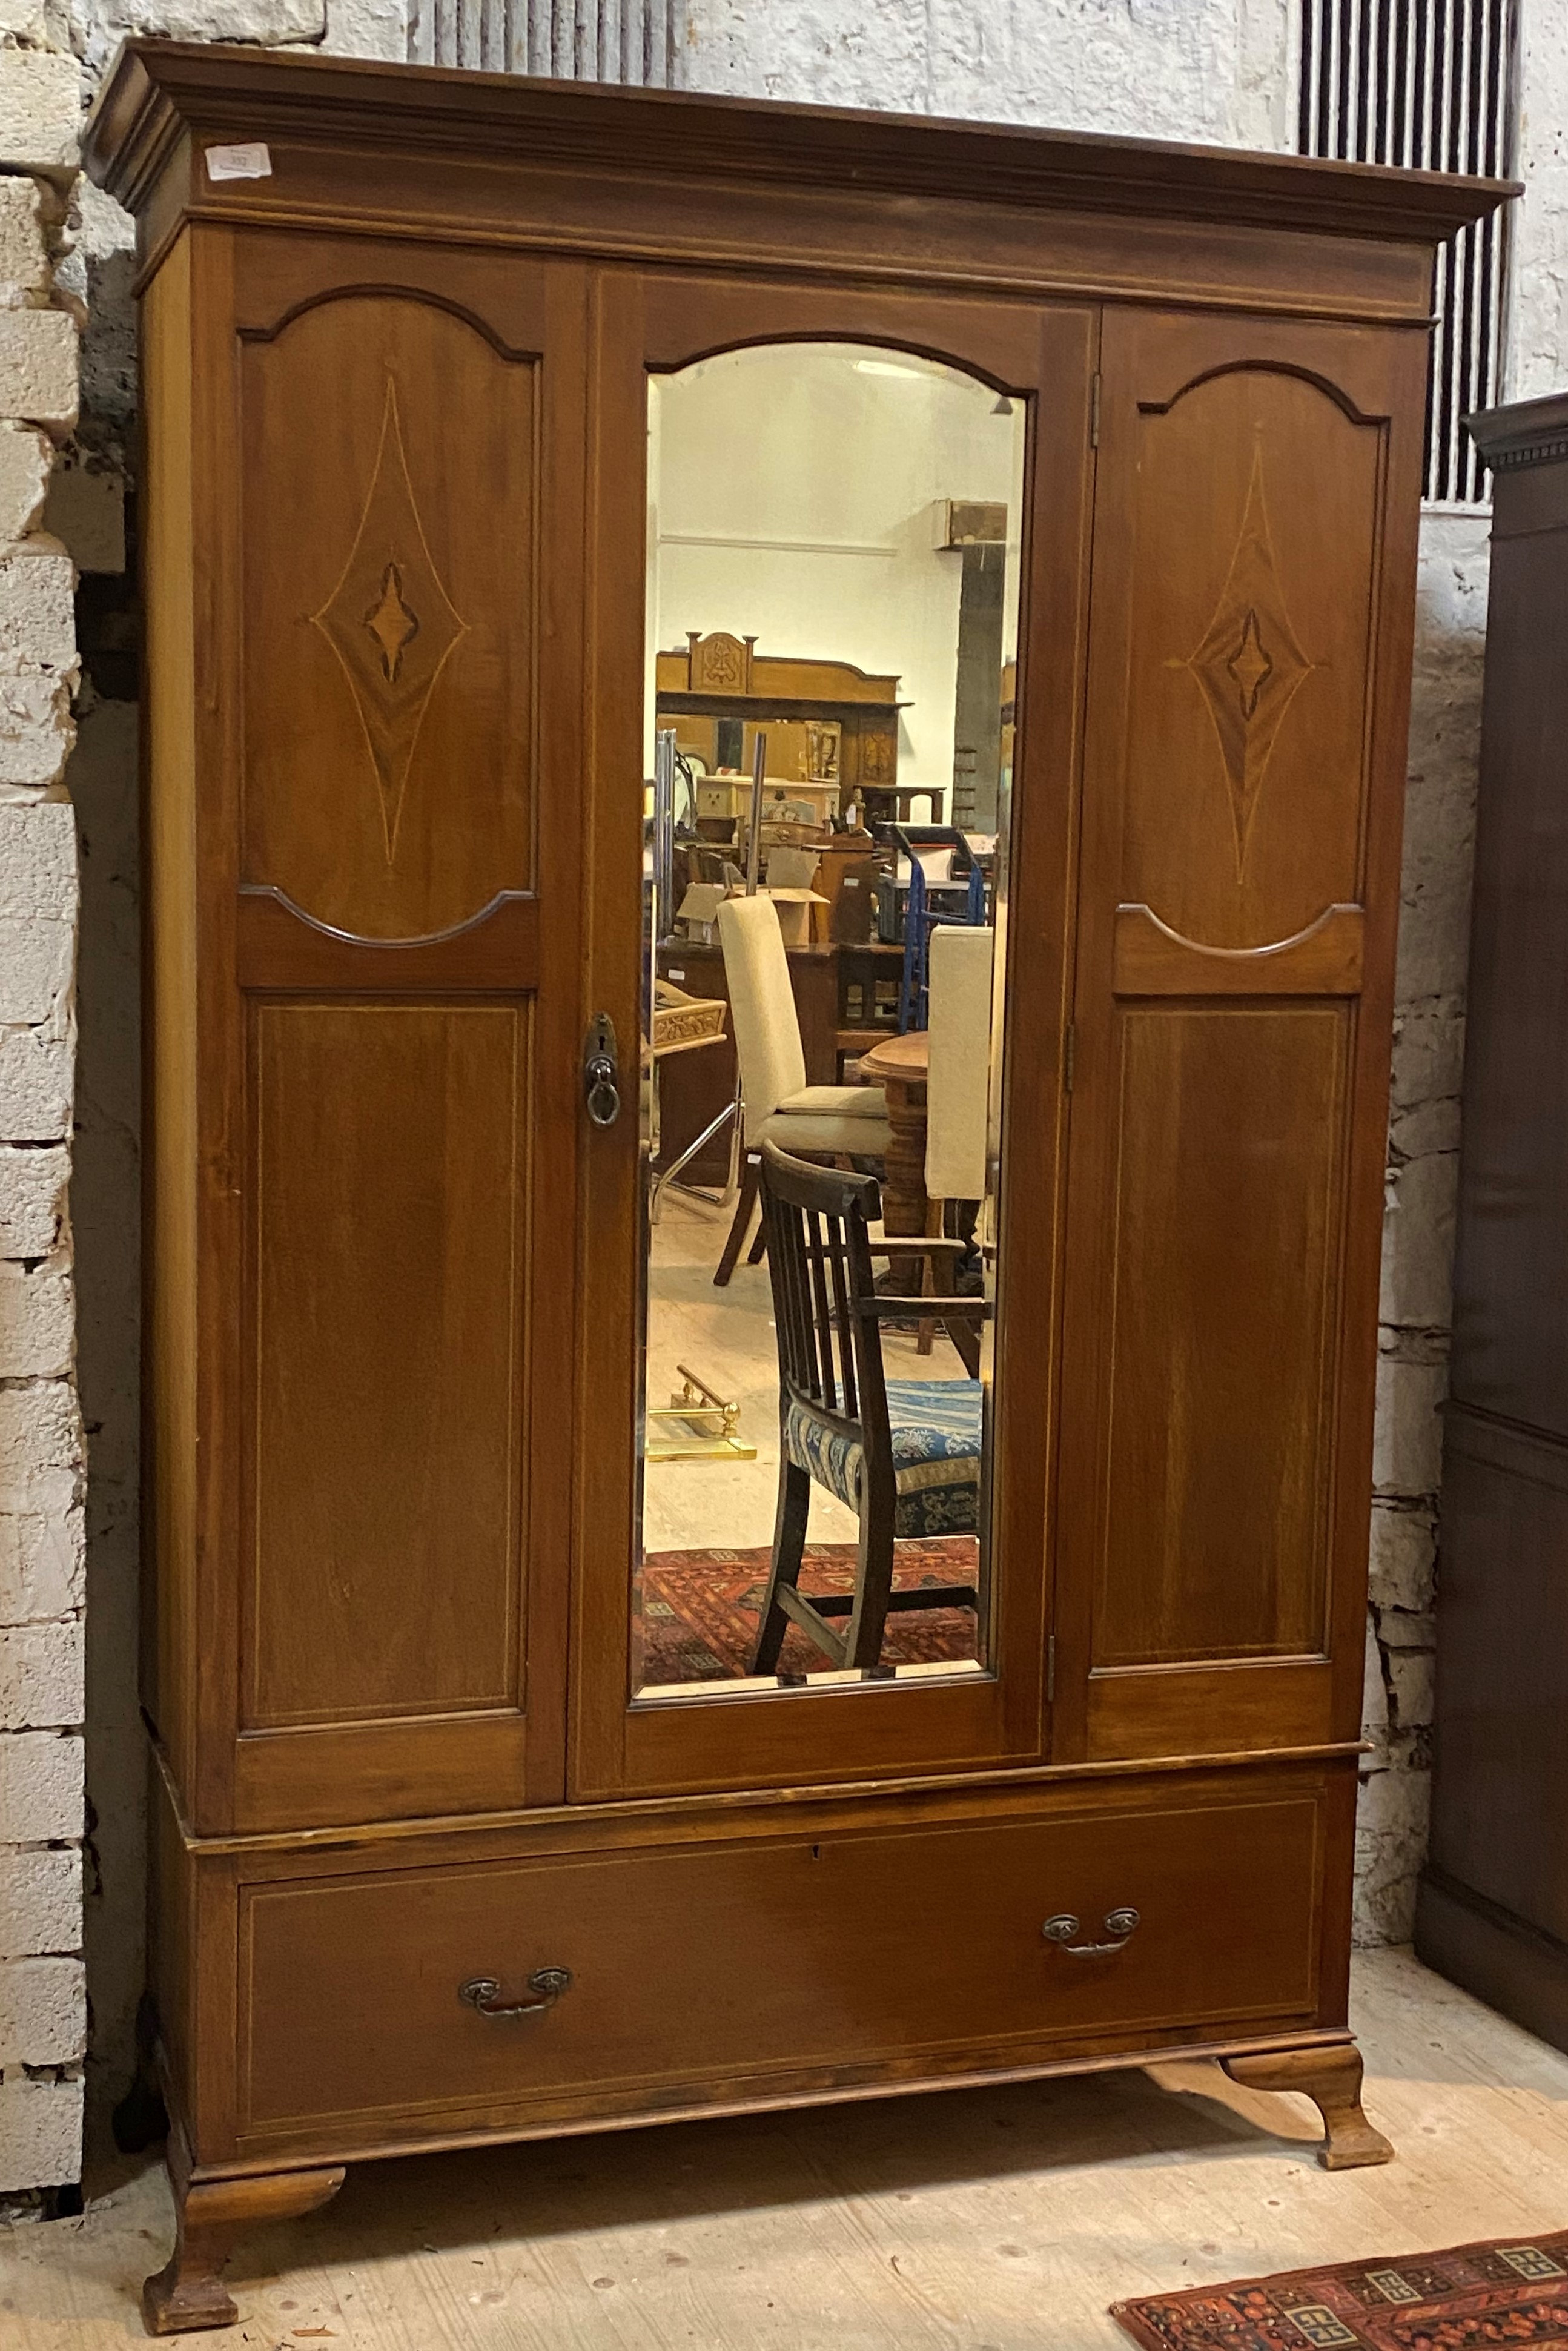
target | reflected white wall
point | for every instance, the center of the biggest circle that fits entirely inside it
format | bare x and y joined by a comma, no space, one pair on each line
792,494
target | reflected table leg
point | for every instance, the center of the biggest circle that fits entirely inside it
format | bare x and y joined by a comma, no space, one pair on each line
903,1203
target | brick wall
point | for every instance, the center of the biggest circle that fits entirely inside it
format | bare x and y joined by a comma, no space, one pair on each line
68,1063
43,2015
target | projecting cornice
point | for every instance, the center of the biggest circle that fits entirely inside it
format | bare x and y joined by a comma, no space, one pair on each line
156,91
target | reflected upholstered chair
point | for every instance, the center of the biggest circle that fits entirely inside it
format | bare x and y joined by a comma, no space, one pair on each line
777,1105
958,1084
906,1454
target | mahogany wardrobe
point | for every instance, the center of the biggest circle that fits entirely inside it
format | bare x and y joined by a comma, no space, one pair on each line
441,1857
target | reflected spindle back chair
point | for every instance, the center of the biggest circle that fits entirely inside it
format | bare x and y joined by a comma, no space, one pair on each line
906,1454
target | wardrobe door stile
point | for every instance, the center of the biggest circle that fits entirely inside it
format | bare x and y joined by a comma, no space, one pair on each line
1244,745
388,986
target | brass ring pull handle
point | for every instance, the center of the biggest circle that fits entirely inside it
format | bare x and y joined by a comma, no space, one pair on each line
1060,1930
484,1993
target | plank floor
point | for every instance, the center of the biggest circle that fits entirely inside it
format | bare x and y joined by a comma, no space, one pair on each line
975,2220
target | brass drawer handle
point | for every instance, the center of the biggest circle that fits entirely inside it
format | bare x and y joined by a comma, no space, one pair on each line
1060,1930
484,1993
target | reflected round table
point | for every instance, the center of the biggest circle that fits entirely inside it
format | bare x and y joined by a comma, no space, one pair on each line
899,1065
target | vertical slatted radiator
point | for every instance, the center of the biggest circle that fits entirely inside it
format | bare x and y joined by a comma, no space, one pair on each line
575,40
1431,84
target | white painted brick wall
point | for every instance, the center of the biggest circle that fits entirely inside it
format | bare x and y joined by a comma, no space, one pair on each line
40,2129
25,456
40,109
32,1198
65,257
43,2010
41,1784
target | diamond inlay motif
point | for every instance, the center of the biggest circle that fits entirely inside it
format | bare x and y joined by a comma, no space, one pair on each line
1249,664
390,622
1251,667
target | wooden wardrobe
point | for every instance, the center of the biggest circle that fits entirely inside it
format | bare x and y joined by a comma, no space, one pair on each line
428,1871
1493,1906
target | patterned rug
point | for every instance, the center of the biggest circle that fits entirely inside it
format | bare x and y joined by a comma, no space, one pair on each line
700,1610
1513,2293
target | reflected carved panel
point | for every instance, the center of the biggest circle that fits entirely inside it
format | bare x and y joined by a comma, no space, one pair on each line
720,663
390,512
1256,505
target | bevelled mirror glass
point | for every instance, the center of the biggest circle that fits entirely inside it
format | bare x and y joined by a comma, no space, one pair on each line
831,644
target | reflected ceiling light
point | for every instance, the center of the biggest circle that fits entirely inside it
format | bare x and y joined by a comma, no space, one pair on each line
886,366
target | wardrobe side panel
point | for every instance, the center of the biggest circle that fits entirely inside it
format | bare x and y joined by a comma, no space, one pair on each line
169,1029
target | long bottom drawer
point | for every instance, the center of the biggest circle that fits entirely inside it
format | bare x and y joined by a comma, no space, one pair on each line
707,1972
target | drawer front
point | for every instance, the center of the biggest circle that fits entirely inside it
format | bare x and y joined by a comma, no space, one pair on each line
724,1971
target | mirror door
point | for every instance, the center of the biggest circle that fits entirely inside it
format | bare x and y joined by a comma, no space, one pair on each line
839,544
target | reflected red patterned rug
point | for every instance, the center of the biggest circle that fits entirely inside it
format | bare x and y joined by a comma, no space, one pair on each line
700,1609
1496,2293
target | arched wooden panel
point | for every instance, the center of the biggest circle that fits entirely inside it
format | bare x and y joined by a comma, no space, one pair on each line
1256,526
391,503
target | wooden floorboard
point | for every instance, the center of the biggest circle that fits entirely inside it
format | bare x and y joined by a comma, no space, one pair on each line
981,2220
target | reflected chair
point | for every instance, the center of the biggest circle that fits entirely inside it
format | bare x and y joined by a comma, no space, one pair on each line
777,1105
904,1455
957,1083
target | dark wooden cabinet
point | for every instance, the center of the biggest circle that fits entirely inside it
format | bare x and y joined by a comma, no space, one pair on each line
396,393
1493,1906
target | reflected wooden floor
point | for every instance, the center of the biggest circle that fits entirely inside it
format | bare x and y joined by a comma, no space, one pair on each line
974,2221
726,1335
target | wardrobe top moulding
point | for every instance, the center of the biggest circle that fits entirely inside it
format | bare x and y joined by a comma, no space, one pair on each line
500,160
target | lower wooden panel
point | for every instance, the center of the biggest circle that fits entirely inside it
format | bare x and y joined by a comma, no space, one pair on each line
801,1954
1228,1217
381,1644
1186,1710
347,1773
387,1446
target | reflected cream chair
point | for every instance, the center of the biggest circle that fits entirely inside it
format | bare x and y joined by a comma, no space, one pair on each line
777,1105
958,1084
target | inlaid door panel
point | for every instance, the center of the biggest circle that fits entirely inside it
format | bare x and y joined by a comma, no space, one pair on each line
391,580
1243,783
396,892
1251,603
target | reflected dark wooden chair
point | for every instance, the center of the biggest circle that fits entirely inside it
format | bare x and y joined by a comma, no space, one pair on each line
904,1455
